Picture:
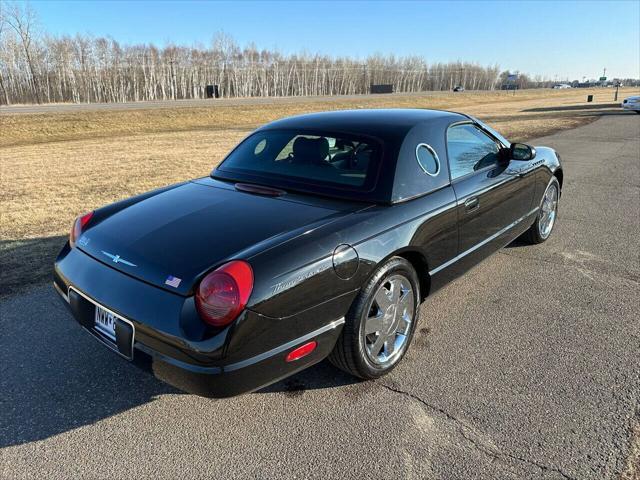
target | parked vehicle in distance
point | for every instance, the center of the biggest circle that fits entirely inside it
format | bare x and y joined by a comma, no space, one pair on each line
317,236
632,103
561,86
458,89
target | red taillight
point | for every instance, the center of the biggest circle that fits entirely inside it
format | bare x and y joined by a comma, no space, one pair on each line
78,227
224,293
301,351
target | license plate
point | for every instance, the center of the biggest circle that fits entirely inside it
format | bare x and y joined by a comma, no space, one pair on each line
105,323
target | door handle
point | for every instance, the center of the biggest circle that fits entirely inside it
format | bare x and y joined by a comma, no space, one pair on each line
471,204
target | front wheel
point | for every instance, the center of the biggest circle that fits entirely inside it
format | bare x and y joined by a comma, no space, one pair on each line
380,323
547,214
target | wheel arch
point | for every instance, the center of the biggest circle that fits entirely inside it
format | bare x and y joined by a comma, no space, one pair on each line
419,263
560,176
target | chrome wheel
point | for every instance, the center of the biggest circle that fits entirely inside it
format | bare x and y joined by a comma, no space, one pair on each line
388,323
548,211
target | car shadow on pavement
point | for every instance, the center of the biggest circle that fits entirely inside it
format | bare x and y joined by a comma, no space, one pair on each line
320,376
54,377
517,243
27,261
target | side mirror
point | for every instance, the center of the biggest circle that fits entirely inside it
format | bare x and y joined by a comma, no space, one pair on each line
521,151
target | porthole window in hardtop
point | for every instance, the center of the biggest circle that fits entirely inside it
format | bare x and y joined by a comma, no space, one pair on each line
262,144
428,159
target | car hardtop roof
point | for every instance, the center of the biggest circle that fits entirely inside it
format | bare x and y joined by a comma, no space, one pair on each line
374,122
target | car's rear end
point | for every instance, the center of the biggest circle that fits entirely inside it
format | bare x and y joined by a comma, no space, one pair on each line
170,282
150,332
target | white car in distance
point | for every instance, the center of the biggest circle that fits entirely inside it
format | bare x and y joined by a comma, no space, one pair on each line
632,103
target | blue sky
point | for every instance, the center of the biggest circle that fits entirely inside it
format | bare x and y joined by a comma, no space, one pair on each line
563,39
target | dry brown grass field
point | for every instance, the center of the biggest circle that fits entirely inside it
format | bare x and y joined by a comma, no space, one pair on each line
54,166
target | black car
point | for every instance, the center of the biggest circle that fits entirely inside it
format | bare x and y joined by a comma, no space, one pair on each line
318,236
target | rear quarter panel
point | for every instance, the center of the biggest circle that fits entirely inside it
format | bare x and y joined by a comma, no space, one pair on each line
298,274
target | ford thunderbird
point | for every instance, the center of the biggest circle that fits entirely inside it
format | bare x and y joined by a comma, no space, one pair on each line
317,236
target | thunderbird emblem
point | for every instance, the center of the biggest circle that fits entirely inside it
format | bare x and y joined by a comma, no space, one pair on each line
118,259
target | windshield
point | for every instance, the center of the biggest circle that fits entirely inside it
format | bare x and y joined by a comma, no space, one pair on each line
303,161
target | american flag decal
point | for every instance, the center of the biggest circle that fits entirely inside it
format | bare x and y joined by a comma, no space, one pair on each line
172,281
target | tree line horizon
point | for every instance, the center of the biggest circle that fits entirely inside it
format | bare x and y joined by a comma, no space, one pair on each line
37,67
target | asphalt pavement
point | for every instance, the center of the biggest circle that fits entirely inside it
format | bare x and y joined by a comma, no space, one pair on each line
526,367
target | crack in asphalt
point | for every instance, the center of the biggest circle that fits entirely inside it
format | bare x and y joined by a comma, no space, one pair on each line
465,429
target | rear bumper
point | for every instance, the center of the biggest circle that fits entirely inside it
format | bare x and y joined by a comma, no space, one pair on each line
169,340
242,377
223,380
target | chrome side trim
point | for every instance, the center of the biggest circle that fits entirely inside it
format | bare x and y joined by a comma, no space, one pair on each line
283,347
482,243
64,296
126,320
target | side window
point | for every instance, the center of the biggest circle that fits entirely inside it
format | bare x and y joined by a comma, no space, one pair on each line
470,149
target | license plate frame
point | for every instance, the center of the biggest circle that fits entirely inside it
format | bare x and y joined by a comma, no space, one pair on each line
123,337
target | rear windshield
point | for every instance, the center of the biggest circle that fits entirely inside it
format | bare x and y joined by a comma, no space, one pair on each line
303,160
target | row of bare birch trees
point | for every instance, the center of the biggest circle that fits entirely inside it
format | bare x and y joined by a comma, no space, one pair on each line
39,68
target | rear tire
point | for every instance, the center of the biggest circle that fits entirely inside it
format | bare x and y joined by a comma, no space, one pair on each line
380,323
541,229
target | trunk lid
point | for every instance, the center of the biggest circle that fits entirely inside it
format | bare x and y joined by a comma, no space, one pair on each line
172,238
